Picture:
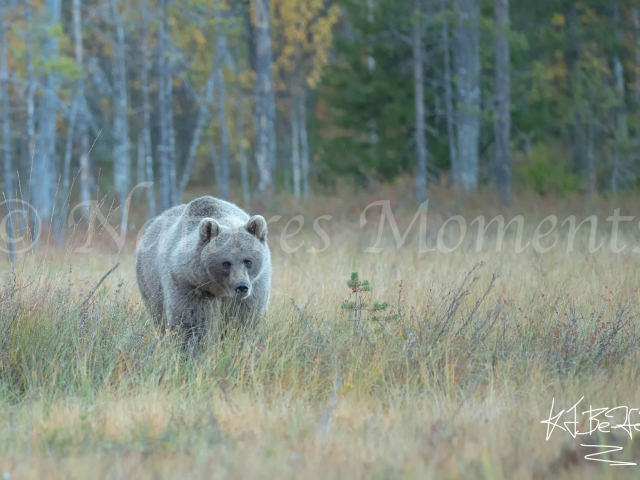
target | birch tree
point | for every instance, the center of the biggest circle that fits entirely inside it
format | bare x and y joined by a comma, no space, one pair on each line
121,153
81,105
42,182
466,44
502,126
146,110
265,149
222,107
418,81
451,134
304,143
303,48
6,131
31,83
622,127
295,146
164,101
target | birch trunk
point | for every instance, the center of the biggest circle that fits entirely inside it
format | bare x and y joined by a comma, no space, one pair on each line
304,142
42,182
502,126
244,163
165,166
453,159
418,83
31,129
146,111
83,131
6,134
295,147
622,128
466,40
140,165
224,138
371,66
222,117
591,163
264,98
122,163
618,71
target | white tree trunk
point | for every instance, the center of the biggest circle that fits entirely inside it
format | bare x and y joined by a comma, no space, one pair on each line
295,146
466,42
42,182
166,199
418,84
502,126
618,72
451,133
31,129
591,160
265,99
622,132
222,114
146,111
6,132
304,142
85,182
122,162
140,164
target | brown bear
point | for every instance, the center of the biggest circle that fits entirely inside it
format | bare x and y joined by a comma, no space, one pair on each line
201,262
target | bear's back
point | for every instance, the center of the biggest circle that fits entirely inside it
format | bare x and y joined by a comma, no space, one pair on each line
220,210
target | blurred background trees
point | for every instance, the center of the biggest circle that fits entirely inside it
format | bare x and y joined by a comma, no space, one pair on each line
247,98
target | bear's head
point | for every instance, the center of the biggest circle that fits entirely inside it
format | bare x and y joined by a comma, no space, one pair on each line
233,256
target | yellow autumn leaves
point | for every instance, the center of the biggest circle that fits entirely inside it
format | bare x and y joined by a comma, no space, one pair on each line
302,37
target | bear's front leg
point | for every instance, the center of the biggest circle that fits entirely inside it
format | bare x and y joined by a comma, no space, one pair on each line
192,313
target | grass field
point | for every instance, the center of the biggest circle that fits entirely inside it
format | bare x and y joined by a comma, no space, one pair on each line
451,381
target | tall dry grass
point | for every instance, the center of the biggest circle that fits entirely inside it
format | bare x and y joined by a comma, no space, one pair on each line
452,383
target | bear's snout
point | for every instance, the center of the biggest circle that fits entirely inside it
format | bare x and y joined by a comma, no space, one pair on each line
242,289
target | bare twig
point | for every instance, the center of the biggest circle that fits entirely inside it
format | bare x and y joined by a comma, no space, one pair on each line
99,283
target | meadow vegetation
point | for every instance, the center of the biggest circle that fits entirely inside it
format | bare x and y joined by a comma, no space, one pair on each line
451,380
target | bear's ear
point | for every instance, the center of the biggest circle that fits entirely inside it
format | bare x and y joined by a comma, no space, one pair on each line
209,229
257,226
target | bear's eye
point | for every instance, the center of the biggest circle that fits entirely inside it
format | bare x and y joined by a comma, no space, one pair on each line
247,263
226,264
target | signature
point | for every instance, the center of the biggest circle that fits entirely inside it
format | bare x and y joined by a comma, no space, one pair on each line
602,420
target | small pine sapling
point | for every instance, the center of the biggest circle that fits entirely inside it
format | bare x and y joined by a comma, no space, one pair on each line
362,301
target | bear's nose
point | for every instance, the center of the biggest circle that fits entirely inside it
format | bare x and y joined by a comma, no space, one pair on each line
242,288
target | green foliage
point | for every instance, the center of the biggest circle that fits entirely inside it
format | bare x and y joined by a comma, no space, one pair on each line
362,302
367,126
355,284
545,173
369,122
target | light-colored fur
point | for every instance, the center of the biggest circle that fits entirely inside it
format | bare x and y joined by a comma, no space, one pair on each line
191,259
